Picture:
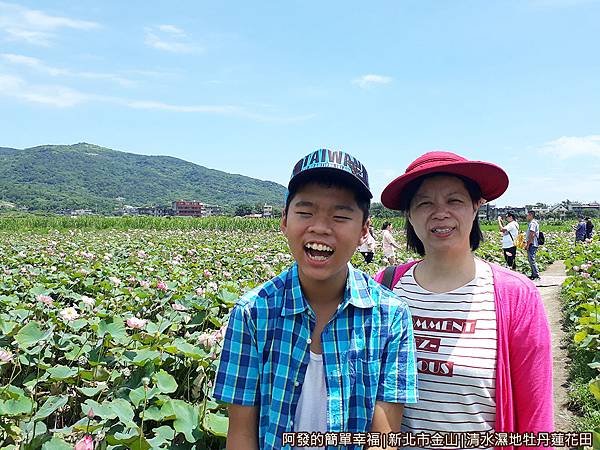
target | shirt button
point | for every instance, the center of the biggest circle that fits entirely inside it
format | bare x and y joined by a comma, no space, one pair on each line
309,340
296,383
291,423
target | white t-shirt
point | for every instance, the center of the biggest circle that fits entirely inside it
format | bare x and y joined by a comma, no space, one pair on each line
512,229
455,336
311,412
533,226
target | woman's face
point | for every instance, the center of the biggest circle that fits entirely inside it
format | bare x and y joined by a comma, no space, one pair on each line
442,214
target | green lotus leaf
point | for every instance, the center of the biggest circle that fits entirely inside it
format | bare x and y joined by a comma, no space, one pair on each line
31,334
50,406
162,435
166,383
186,419
56,443
62,372
216,423
16,407
102,410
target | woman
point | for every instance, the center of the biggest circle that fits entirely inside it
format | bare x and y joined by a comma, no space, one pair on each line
482,337
510,231
388,243
368,244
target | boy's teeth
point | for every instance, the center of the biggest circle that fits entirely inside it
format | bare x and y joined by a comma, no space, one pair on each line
442,230
319,247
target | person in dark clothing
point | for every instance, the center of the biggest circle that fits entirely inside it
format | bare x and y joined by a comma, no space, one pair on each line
589,228
580,230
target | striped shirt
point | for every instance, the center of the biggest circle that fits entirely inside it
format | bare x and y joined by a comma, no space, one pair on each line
455,334
368,354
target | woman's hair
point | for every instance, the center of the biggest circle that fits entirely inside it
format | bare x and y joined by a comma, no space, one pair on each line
385,225
412,241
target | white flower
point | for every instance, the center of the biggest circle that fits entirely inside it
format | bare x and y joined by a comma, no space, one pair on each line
178,307
88,300
69,314
5,356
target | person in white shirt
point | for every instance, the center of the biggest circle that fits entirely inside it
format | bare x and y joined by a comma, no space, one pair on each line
389,243
510,232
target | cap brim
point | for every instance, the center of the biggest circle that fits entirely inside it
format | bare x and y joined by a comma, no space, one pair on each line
334,174
492,180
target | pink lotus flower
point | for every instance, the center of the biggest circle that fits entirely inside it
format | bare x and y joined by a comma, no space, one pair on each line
207,273
199,292
207,340
141,254
69,314
45,299
5,356
135,323
114,280
161,286
87,443
178,307
145,284
585,274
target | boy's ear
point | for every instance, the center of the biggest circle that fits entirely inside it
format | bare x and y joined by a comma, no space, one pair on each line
363,233
283,223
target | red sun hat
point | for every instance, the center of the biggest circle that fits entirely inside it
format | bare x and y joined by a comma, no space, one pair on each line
492,180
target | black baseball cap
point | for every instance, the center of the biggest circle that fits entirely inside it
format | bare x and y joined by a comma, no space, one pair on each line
336,163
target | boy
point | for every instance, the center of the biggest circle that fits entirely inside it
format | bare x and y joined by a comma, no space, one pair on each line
321,347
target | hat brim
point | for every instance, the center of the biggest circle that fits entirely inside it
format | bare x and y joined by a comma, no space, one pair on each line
492,180
333,174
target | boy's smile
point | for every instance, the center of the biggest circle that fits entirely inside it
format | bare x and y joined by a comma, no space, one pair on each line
323,225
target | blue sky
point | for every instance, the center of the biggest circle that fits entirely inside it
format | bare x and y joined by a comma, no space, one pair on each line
251,87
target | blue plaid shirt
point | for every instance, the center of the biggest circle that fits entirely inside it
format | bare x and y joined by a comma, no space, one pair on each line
368,354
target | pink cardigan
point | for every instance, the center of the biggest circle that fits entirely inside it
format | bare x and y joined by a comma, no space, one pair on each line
524,401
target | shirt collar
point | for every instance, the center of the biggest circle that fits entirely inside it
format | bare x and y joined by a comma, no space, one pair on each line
357,292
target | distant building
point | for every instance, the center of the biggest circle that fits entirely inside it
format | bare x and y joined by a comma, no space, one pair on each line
267,210
81,212
195,209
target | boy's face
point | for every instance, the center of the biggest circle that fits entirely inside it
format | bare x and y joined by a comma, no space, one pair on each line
323,226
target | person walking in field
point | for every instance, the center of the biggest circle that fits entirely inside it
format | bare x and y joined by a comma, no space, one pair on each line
532,244
368,244
484,352
580,230
389,244
510,231
321,347
589,228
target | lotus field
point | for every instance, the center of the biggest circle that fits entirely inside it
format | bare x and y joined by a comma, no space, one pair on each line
111,337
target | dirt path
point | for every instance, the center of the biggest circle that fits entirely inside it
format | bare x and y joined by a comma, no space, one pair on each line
549,286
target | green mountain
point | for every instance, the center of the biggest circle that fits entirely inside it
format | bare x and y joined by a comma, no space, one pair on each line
86,176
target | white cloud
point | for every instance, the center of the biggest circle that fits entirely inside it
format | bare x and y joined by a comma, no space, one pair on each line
50,95
573,146
369,80
63,97
148,104
38,65
169,38
172,29
36,27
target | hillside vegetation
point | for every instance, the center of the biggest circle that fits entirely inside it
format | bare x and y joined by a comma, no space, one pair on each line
86,176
